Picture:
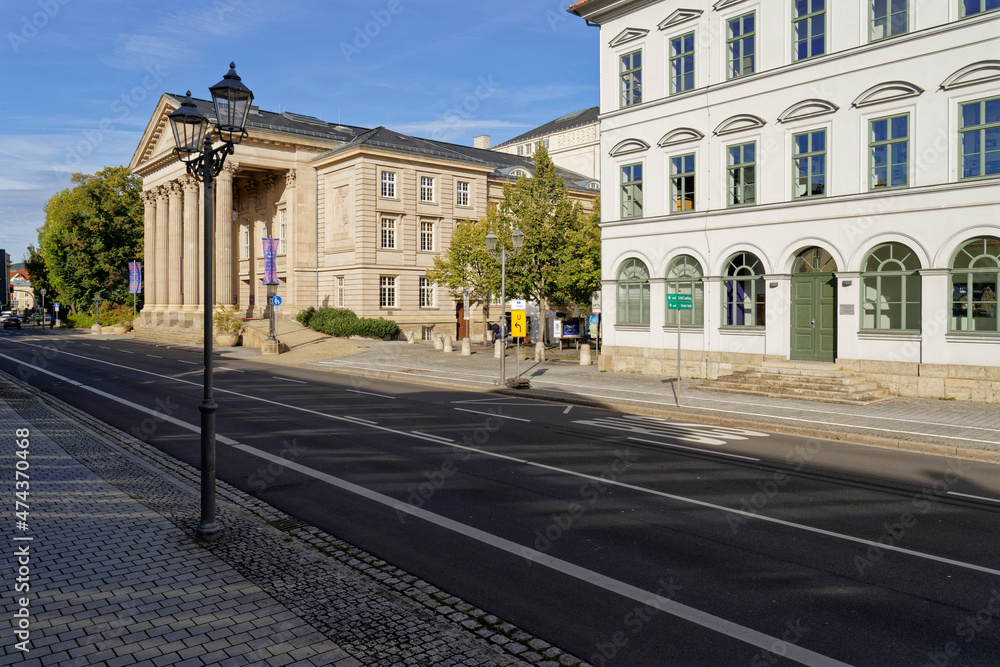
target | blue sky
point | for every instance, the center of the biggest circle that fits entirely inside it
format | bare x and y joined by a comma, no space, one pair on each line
79,79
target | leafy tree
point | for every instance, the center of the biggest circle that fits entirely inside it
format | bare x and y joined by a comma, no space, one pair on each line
580,274
91,232
467,265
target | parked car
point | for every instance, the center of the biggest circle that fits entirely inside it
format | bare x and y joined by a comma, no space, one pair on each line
11,321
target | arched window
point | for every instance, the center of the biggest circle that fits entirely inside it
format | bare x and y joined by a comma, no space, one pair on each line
890,289
684,277
744,293
633,293
975,274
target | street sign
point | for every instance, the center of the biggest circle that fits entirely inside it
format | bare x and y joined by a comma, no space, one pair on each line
465,305
518,304
595,303
518,324
277,300
56,306
680,302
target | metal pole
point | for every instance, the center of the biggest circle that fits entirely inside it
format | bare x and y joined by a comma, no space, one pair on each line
208,529
503,316
679,358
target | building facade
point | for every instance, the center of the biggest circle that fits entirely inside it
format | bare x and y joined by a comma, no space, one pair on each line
572,140
823,179
359,213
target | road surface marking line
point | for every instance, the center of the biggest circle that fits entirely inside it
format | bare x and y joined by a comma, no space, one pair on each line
226,368
154,356
126,352
369,393
492,414
185,361
439,438
966,495
568,408
695,449
633,487
278,377
704,619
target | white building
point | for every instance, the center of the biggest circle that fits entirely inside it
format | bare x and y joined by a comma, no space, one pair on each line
823,178
572,140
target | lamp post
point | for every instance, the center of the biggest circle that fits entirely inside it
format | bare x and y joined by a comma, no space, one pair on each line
42,292
193,138
517,240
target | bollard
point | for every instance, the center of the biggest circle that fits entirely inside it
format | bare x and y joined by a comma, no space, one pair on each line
585,354
466,347
438,342
411,337
539,352
498,349
447,344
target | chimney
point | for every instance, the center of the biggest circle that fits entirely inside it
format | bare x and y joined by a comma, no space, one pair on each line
482,141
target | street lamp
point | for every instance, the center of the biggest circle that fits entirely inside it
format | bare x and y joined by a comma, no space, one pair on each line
193,138
44,319
517,240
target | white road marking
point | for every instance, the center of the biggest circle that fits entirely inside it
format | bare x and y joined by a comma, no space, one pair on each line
126,352
443,440
369,393
967,495
154,356
568,408
185,361
694,449
226,368
492,414
278,377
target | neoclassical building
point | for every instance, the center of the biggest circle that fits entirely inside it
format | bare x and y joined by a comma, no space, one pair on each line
823,179
359,214
572,140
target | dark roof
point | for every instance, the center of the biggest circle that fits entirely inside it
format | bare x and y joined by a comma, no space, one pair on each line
561,124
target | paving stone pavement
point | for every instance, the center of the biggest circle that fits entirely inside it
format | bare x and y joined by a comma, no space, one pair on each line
116,576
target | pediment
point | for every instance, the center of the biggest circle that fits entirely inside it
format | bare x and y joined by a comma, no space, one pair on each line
681,135
981,72
628,35
678,17
738,123
889,91
723,4
628,146
807,109
156,138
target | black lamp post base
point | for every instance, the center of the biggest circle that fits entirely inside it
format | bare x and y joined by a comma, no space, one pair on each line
208,532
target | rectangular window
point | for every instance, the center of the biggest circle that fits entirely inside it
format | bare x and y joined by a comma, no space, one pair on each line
682,63
742,174
427,236
388,234
808,29
426,293
282,231
245,232
809,164
426,189
341,293
631,78
389,184
980,138
889,18
520,150
682,183
631,191
741,45
461,193
972,7
889,147
387,292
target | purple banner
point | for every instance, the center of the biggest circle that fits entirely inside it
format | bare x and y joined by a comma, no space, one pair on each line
134,277
270,260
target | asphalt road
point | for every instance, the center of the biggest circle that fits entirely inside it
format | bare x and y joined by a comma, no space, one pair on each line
625,540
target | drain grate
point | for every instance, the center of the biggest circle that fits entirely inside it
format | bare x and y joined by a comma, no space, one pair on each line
288,523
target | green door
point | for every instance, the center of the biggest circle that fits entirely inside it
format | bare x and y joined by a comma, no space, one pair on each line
814,317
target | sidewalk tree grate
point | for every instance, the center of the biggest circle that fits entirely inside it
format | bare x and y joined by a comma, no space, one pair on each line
288,523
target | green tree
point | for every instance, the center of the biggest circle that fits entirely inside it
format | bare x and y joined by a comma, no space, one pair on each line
91,232
580,274
467,265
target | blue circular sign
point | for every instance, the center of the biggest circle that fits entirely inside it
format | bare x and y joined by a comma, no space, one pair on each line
277,300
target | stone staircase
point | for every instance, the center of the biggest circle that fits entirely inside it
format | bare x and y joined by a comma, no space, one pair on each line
168,335
803,380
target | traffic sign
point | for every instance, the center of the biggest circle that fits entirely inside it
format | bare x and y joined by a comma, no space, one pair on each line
276,300
680,302
518,324
595,303
518,304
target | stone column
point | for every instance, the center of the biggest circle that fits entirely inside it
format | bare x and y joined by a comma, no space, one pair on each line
162,266
148,253
175,247
200,308
223,221
293,253
192,204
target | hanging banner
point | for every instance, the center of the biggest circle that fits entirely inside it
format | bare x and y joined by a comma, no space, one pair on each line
270,260
135,277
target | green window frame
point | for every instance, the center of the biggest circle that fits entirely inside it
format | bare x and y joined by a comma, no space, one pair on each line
682,183
808,29
973,7
684,276
890,289
809,164
741,45
889,152
631,78
632,305
682,63
974,275
889,18
742,174
631,191
979,138
744,292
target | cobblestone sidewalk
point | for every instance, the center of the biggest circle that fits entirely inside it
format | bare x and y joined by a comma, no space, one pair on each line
115,576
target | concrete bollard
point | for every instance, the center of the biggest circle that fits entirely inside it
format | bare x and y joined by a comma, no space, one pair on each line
539,352
466,347
585,354
447,344
438,342
497,349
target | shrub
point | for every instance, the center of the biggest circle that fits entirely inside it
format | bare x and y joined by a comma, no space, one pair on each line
227,320
305,316
344,322
116,313
370,327
79,321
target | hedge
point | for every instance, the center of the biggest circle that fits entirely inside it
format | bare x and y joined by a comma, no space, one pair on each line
344,322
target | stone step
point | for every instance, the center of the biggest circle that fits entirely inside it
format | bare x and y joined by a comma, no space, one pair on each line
810,372
864,398
168,336
852,384
804,380
780,378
